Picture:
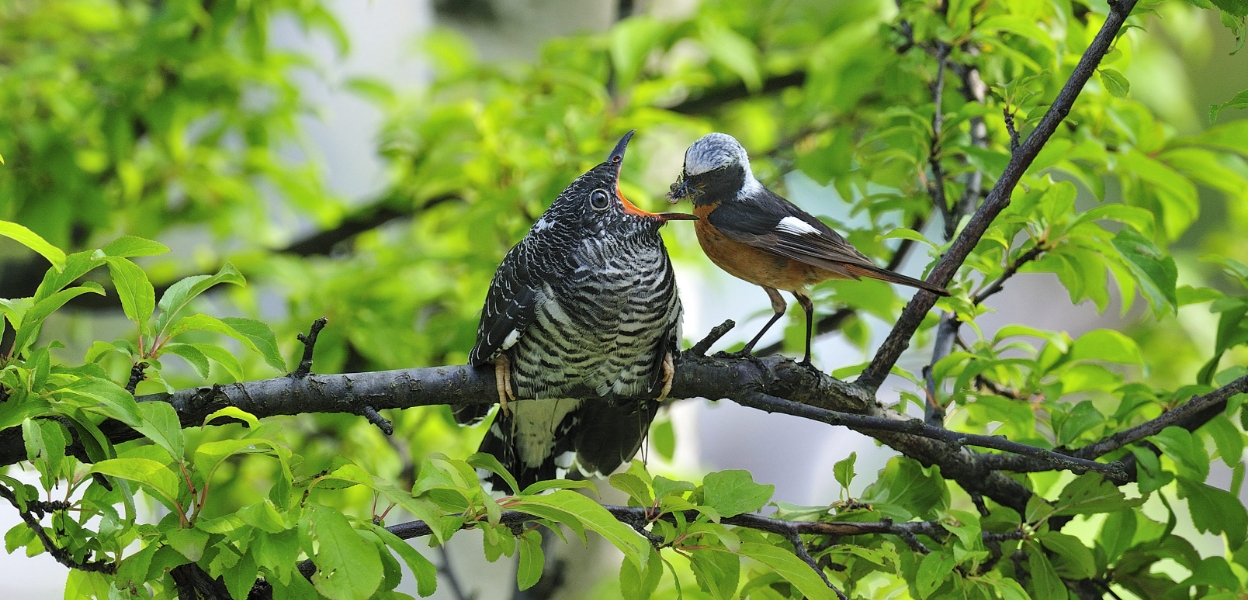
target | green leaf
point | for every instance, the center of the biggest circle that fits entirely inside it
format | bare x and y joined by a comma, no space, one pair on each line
255,335
161,425
633,586
637,490
791,568
221,356
1107,345
532,560
129,245
1078,563
905,490
631,42
933,571
483,460
596,518
240,578
1213,570
347,565
35,316
1215,511
734,492
114,401
234,412
138,297
718,571
1155,272
146,471
1239,101
426,574
1045,583
1188,453
208,456
663,436
188,542
1115,83
1226,437
1090,494
13,412
733,51
1117,534
1238,8
30,239
262,339
192,355
843,470
183,291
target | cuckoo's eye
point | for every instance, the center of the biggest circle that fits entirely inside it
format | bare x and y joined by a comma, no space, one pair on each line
599,199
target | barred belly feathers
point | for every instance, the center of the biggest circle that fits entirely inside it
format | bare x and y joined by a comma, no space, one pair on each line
587,299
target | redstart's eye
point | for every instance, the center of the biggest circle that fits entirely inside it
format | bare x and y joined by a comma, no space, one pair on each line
599,199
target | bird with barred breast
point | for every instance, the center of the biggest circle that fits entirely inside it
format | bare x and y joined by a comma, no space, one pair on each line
757,235
586,300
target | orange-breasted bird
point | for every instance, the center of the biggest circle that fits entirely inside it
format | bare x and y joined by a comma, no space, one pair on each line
756,235
587,299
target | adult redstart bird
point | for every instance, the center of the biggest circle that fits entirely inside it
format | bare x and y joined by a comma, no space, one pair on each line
587,299
756,235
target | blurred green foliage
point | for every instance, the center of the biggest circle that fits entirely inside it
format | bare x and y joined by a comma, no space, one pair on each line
162,119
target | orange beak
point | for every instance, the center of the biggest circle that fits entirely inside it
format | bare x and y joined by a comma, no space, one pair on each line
632,209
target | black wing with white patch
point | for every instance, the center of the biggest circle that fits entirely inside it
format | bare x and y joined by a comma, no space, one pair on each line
774,224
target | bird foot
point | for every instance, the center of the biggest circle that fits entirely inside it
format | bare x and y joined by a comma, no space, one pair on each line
669,374
502,382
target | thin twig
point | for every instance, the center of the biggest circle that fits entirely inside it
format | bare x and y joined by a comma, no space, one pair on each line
137,374
1213,403
1012,269
936,186
799,549
309,344
999,198
1009,127
375,418
60,554
717,332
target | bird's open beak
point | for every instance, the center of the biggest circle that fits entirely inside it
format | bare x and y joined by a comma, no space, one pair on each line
617,158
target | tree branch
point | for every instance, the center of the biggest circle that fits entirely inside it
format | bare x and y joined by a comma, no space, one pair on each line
715,98
60,554
912,316
771,383
1195,412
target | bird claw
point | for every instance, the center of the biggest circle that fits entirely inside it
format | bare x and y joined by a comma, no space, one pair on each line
669,374
502,382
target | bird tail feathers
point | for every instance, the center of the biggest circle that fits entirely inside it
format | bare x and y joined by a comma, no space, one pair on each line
889,276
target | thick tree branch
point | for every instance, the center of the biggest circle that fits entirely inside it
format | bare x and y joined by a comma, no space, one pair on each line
771,383
999,198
